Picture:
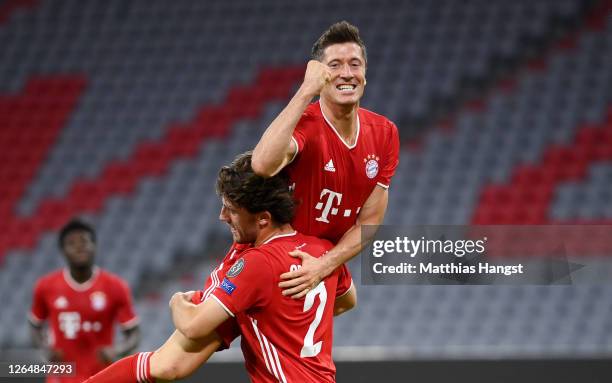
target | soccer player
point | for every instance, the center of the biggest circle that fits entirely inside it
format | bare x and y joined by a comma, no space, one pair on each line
340,157
81,303
283,340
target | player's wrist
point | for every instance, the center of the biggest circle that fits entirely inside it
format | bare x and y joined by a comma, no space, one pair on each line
329,265
306,93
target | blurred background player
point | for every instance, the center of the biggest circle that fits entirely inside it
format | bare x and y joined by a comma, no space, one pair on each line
81,304
340,157
297,334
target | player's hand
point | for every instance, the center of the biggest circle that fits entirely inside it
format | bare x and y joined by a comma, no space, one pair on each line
299,282
54,355
181,298
107,355
316,77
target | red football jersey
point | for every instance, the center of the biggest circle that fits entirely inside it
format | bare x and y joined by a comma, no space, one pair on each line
213,280
283,339
81,316
332,179
228,330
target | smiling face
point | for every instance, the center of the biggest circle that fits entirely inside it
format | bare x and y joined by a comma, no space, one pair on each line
348,67
243,224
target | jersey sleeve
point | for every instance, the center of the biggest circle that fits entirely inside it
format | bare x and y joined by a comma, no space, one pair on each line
300,134
391,158
39,311
247,284
345,281
299,137
126,315
227,331
213,277
197,296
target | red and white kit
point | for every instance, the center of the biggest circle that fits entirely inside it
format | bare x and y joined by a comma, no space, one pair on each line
333,179
283,339
81,316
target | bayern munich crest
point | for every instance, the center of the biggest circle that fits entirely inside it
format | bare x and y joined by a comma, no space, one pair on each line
98,300
371,165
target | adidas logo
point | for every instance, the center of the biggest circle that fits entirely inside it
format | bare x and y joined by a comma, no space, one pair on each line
330,166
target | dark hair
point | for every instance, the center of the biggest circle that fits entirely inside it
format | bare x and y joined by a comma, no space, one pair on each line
241,186
75,224
338,33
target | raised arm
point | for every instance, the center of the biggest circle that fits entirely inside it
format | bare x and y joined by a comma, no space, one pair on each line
276,149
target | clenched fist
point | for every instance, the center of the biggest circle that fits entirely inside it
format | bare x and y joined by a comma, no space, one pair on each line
317,75
181,297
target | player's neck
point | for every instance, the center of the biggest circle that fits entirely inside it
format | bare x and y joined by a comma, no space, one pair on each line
81,274
343,118
270,232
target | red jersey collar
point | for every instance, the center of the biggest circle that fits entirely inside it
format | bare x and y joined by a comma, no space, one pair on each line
81,286
279,236
336,131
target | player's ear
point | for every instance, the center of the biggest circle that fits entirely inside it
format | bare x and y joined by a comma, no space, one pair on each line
264,219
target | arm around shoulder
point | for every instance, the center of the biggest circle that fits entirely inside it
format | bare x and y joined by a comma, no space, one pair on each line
372,214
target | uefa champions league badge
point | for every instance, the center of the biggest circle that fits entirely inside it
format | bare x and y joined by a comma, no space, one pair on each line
236,268
371,165
98,300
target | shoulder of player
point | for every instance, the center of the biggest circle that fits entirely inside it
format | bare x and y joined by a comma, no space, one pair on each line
234,250
312,110
311,114
275,253
257,255
112,278
313,245
50,277
315,242
367,117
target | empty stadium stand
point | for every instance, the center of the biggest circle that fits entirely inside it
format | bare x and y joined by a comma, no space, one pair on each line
123,112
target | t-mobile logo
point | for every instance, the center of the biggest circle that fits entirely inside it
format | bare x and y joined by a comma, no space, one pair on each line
327,209
69,323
